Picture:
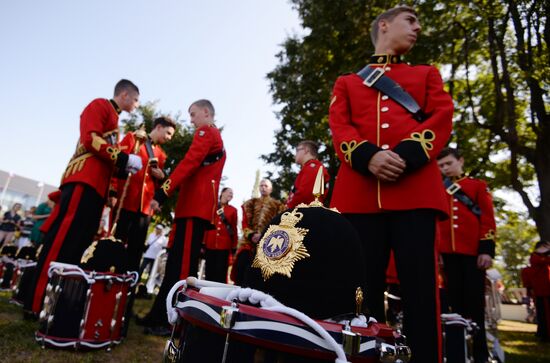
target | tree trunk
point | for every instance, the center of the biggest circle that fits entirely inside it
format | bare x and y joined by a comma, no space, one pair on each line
542,167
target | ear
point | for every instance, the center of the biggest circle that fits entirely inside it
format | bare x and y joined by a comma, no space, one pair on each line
383,25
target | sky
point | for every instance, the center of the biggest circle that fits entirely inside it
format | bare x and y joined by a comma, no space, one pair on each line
58,55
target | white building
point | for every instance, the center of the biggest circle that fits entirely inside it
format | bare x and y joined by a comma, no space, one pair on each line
19,189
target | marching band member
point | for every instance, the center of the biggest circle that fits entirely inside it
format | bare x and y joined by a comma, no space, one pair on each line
257,212
388,184
136,211
85,184
221,240
306,157
466,244
197,178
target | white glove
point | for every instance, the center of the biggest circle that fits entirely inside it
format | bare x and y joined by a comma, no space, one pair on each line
134,164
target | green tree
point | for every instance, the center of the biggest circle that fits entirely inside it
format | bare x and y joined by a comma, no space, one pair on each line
175,149
516,239
493,55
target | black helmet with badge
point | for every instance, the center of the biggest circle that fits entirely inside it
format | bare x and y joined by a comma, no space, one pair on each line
310,258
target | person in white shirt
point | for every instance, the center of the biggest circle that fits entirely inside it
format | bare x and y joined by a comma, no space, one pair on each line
155,242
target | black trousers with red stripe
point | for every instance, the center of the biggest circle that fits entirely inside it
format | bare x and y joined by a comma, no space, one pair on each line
72,231
411,235
183,261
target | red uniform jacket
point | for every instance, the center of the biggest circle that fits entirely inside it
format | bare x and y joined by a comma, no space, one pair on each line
540,274
464,232
303,186
219,238
197,182
142,185
364,121
97,152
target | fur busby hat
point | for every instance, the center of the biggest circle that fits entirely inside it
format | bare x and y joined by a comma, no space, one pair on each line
310,258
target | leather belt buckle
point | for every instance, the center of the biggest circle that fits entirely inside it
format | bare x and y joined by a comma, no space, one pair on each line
453,188
373,76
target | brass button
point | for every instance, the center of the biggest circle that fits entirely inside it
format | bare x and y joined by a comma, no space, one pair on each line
455,225
385,147
385,97
455,208
385,125
387,68
384,109
455,217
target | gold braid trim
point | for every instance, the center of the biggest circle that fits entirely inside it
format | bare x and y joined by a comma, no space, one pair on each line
113,152
348,148
97,141
490,234
76,164
424,139
166,186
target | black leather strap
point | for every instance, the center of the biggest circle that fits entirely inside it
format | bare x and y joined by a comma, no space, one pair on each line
212,158
224,220
456,191
150,153
375,78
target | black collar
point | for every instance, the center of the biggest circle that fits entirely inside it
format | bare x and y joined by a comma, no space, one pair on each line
384,59
117,109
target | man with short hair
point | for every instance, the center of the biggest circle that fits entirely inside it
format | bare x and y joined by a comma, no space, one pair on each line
197,178
302,191
257,213
85,184
466,244
136,211
388,184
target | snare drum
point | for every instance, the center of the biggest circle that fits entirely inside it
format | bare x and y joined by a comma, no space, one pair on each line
7,273
211,329
22,286
83,309
457,338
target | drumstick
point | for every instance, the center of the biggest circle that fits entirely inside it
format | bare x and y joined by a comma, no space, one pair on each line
195,282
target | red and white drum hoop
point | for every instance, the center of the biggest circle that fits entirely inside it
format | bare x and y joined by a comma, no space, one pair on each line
104,305
273,325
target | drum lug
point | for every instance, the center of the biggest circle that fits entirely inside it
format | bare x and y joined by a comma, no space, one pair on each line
171,353
351,341
403,350
228,314
387,352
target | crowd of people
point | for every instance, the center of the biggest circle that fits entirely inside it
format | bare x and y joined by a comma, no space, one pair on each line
393,153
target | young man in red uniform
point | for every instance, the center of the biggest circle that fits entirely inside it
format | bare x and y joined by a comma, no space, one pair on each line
220,241
85,184
306,157
197,178
388,184
136,211
466,244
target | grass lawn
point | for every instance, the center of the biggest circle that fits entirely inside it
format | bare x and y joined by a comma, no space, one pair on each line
17,342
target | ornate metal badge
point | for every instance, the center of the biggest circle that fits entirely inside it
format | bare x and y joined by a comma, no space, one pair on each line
281,246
